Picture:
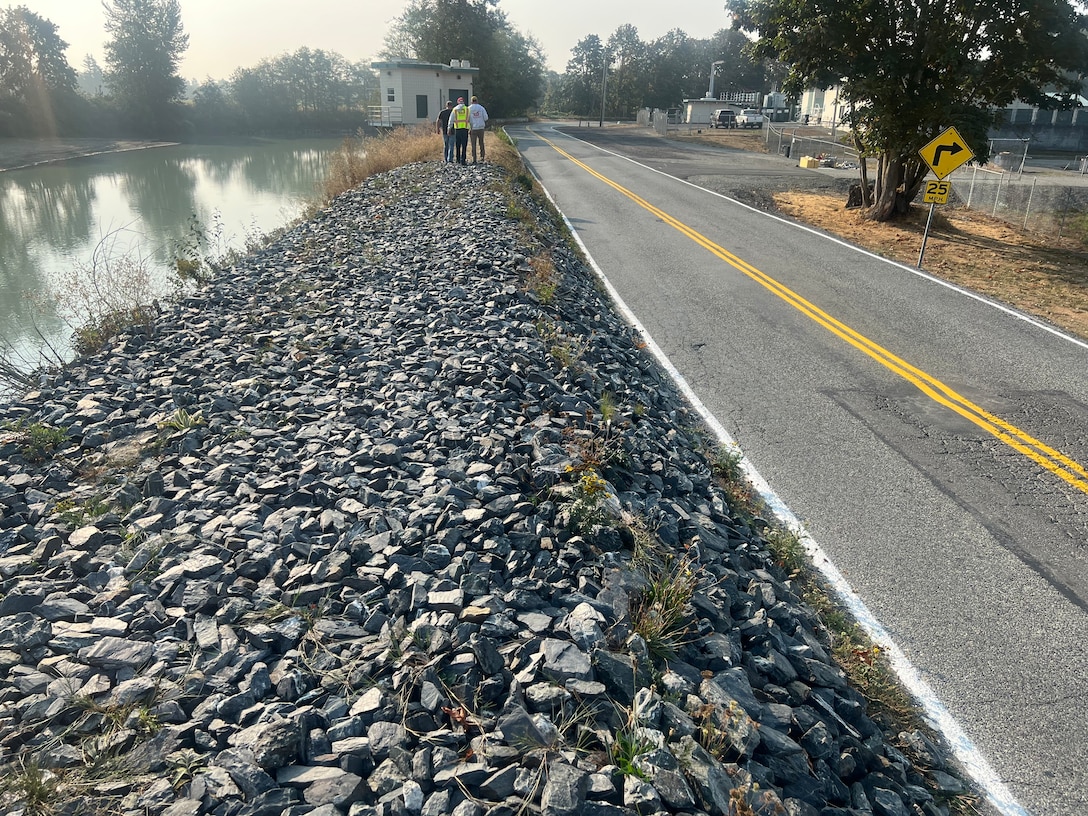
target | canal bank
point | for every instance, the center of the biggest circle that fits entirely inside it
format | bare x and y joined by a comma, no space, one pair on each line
16,154
373,524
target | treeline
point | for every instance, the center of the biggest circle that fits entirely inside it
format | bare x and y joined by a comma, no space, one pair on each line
139,92
628,74
307,91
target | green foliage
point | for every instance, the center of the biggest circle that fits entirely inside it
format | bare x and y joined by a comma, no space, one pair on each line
36,788
184,765
543,278
787,550
35,77
292,92
587,508
725,463
609,408
77,513
628,744
511,64
659,73
100,299
100,328
37,441
661,614
909,70
182,420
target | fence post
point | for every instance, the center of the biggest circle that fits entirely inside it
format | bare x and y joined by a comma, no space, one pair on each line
971,192
1027,209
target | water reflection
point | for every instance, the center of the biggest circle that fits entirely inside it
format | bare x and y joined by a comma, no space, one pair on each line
52,217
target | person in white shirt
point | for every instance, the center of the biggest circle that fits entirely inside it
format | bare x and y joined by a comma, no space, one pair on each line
477,121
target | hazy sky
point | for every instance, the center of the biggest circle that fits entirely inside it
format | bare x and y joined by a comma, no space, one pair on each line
229,34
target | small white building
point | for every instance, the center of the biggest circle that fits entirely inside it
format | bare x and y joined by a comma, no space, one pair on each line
413,92
822,107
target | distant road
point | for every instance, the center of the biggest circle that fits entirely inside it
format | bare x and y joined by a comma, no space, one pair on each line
934,445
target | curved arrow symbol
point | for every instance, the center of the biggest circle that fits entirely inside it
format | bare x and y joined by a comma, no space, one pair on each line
952,150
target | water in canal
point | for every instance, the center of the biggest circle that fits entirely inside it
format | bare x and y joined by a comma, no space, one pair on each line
143,206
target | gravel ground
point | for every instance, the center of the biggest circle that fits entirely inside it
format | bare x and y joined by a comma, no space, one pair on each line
389,520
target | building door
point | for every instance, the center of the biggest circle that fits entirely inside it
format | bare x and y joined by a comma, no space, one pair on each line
458,92
422,107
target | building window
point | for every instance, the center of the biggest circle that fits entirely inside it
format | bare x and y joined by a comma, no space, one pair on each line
391,95
421,107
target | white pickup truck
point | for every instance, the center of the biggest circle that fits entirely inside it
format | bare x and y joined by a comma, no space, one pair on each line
750,118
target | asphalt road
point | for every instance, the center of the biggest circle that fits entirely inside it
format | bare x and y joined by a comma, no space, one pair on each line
933,444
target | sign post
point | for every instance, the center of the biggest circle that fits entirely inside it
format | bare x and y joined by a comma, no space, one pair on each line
943,155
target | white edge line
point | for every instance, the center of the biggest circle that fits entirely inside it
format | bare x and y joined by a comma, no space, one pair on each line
804,227
938,716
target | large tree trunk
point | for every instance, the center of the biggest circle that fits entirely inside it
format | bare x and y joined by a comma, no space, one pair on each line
898,180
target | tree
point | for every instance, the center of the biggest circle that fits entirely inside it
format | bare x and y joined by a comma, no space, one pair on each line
35,77
142,59
579,89
511,64
91,79
628,79
907,69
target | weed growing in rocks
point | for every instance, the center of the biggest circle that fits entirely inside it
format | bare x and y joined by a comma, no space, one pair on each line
33,788
565,350
183,420
587,508
786,548
661,613
543,278
100,299
37,441
863,661
76,513
626,747
184,766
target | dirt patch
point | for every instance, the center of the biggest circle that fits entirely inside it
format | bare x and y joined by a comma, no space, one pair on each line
1041,275
751,140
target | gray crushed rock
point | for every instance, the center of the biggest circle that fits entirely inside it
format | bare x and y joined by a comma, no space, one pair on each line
353,585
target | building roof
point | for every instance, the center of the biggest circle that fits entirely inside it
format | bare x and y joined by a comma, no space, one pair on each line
406,63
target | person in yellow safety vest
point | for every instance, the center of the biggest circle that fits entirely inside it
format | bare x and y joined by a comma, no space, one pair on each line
459,126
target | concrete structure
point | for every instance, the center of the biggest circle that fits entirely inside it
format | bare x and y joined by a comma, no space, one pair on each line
413,92
700,111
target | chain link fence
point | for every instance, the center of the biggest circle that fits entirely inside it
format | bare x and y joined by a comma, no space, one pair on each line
794,142
1052,204
1031,203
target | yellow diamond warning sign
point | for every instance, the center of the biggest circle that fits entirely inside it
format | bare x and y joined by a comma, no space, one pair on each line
945,153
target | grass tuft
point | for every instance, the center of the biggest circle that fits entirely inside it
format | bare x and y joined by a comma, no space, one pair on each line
661,613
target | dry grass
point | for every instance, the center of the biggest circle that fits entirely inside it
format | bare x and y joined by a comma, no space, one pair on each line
361,157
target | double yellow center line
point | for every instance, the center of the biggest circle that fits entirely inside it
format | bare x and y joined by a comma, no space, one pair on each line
1042,454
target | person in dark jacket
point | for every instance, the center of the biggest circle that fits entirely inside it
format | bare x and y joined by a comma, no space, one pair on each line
442,125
